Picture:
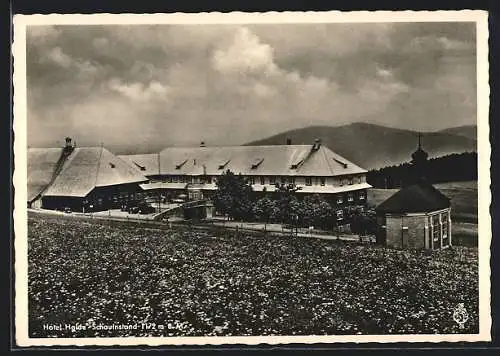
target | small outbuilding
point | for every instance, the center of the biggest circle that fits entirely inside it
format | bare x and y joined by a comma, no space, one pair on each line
416,217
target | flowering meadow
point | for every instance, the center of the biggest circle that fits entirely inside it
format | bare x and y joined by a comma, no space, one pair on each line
99,278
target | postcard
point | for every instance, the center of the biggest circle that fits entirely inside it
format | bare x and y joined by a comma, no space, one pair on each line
251,178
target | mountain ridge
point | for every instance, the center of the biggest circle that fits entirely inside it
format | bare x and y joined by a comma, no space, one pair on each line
374,146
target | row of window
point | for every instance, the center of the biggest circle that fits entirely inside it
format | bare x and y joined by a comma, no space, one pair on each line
350,197
439,228
261,180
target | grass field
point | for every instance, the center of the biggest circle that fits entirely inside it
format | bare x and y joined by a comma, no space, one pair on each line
189,282
464,202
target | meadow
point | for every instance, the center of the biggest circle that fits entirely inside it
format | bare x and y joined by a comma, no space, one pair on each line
204,282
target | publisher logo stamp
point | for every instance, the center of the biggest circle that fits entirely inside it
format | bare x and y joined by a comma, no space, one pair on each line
460,315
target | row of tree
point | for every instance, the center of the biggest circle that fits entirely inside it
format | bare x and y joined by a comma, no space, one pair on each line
449,168
234,198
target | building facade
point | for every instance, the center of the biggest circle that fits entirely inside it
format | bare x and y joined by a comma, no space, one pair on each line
80,179
180,174
423,230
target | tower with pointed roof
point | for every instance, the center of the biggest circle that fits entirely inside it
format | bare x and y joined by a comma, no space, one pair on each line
419,160
417,216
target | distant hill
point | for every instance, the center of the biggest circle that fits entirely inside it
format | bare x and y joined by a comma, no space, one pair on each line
469,131
373,146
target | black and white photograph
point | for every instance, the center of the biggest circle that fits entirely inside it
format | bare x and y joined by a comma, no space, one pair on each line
250,178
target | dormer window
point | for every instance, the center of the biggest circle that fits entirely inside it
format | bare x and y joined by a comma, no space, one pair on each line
112,165
343,164
298,159
142,168
179,166
257,162
223,165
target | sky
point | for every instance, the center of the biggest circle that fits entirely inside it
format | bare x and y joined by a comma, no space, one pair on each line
178,85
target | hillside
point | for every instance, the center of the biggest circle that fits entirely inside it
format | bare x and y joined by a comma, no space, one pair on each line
469,131
373,146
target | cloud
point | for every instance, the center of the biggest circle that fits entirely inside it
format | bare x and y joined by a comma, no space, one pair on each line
230,84
246,54
140,92
60,58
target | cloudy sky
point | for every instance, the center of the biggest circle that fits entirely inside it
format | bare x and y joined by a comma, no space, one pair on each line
230,84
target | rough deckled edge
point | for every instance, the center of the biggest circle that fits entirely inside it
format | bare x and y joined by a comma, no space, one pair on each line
20,174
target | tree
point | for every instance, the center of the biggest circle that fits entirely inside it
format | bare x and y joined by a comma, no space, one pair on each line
264,209
364,223
290,209
234,196
318,212
453,167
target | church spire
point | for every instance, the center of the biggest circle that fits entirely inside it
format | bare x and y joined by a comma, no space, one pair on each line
419,159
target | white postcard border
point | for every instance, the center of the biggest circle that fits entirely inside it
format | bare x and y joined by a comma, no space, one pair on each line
20,170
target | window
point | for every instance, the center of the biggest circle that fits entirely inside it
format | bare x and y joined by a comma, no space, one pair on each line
251,180
308,181
361,195
272,180
341,181
291,180
444,220
208,179
175,179
322,180
169,179
436,228
350,197
351,181
283,180
262,180
360,179
340,214
340,200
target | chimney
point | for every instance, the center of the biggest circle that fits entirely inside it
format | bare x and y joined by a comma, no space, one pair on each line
202,144
68,147
288,141
317,144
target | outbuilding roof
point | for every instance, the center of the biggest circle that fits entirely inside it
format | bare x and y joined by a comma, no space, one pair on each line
42,164
289,160
90,167
418,198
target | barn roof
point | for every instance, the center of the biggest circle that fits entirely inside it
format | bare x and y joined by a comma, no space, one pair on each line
90,167
42,164
290,160
417,198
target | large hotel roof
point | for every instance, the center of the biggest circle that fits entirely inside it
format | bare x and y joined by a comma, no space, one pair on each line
288,160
